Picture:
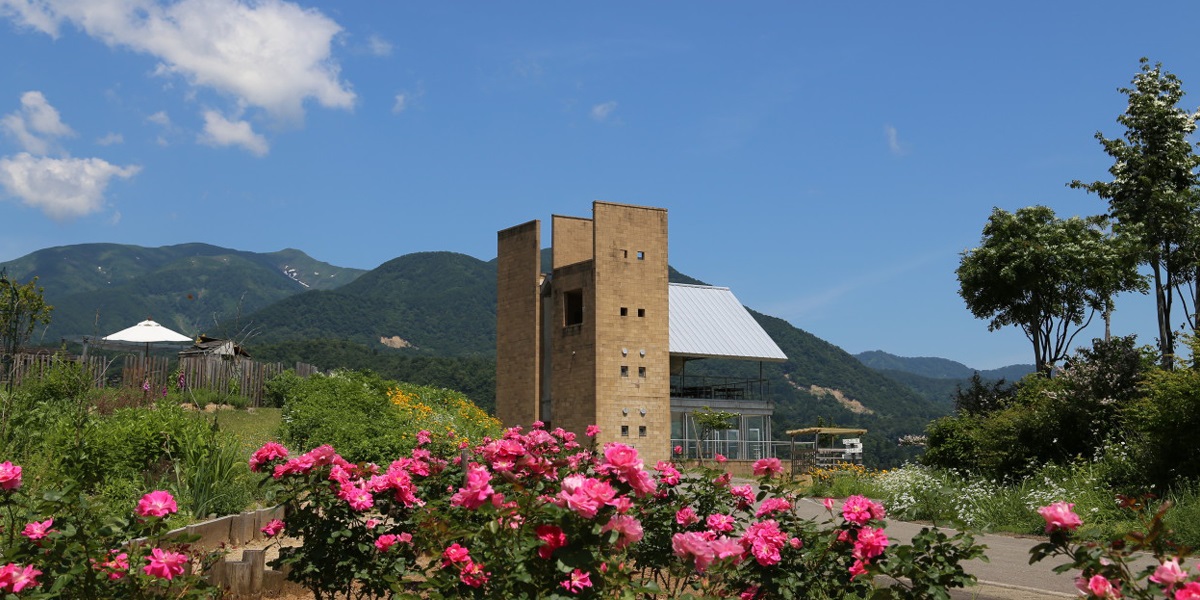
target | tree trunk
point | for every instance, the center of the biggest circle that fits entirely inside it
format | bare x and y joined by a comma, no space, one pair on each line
1166,339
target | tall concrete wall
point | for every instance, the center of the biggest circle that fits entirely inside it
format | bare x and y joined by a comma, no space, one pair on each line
632,327
518,324
571,241
573,353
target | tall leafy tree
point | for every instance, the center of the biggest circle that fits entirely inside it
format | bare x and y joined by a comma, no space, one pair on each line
22,307
1151,196
1046,275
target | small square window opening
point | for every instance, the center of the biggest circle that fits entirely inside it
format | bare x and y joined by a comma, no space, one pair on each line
641,255
624,311
642,372
624,371
641,431
572,308
641,312
624,431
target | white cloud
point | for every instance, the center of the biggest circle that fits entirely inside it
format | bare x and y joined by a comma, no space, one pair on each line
111,139
893,140
37,125
219,131
160,118
63,188
271,54
32,14
379,46
401,103
601,112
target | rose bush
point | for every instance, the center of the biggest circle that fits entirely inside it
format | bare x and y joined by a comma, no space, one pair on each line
67,548
538,514
1108,570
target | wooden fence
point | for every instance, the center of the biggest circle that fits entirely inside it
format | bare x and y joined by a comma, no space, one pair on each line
26,367
242,377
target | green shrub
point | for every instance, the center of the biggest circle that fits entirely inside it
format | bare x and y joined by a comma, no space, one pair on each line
349,410
279,388
1166,420
368,418
211,474
1183,518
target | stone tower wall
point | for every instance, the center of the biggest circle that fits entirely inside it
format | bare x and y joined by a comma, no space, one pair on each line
518,324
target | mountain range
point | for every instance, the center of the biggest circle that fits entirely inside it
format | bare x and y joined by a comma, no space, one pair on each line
429,318
98,289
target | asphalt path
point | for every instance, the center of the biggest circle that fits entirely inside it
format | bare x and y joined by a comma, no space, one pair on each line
1006,576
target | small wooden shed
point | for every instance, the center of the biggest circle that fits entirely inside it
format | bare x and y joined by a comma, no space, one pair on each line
843,445
206,346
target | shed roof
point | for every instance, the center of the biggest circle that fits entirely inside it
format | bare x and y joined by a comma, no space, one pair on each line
709,322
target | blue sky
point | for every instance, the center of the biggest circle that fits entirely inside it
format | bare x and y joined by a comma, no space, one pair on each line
827,161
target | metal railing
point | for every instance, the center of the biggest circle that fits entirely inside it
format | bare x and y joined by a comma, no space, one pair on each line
733,449
719,388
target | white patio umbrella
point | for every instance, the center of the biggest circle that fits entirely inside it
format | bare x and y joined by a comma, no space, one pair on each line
147,332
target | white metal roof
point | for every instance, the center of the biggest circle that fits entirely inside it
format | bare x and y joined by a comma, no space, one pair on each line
709,322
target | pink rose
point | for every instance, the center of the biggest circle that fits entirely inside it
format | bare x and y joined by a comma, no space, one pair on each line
592,431
1101,587
10,476
694,545
629,528
552,537
859,510
686,516
36,531
767,467
158,503
870,543
622,458
1169,573
772,505
1060,516
14,577
858,568
385,542
164,564
454,553
1189,591
828,504
272,528
720,523
117,565
472,574
268,452
578,581
744,494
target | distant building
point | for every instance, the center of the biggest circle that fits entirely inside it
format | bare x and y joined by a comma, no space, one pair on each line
215,347
603,338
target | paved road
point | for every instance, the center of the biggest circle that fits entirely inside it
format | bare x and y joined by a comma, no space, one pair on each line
1006,576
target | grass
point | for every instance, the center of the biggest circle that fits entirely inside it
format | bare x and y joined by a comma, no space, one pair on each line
252,427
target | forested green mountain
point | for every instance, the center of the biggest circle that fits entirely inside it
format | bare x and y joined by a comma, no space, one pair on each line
937,368
935,379
439,303
98,289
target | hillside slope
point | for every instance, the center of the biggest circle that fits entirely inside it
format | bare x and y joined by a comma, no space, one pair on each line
937,368
429,302
97,289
